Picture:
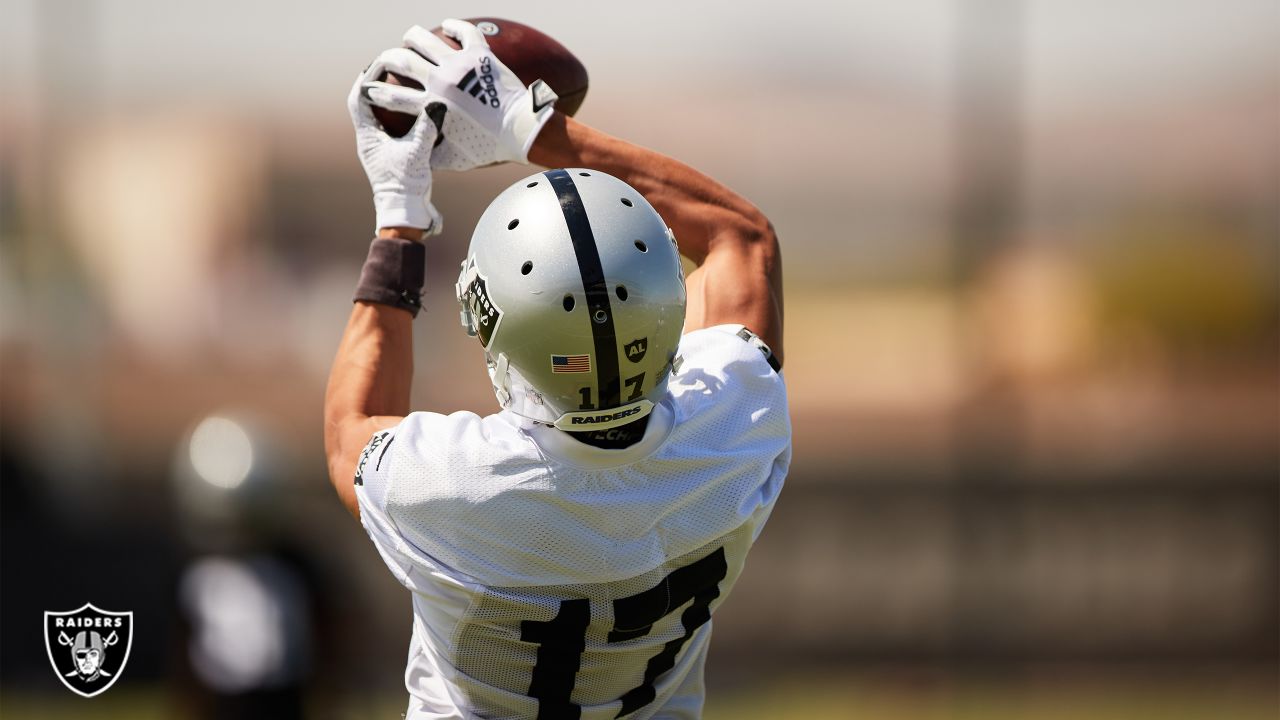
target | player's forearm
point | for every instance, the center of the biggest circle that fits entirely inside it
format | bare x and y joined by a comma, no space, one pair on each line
701,211
368,388
373,370
369,383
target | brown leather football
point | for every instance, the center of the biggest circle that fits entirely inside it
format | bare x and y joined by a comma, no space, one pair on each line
529,53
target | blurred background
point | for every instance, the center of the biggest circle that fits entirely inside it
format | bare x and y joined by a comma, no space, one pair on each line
1033,345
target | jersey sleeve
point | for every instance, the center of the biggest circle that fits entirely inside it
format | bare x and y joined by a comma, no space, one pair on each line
730,395
373,471
373,485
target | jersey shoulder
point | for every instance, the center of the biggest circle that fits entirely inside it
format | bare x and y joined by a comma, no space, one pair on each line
726,369
451,489
730,446
427,453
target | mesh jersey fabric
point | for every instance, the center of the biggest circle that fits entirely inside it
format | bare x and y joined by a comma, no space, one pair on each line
554,579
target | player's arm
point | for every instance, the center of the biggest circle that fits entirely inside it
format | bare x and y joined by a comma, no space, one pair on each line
369,383
739,275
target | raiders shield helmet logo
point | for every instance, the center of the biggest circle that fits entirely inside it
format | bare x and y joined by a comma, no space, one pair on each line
88,647
636,349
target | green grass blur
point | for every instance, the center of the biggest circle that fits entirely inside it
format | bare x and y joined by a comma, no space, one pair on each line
1096,695
887,698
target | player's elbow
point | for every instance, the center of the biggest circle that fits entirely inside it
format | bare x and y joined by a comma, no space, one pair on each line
752,230
764,256
759,245
754,227
765,242
744,233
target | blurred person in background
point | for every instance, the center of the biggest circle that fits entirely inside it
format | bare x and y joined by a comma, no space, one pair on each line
255,625
566,554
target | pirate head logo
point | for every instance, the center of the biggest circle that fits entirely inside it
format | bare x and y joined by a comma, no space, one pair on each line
88,647
480,316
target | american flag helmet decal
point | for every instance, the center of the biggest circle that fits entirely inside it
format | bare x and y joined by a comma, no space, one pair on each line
570,363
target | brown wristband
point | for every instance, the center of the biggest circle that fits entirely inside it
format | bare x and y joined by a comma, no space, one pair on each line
393,274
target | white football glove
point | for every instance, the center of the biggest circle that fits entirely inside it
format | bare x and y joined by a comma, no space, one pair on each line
491,117
399,169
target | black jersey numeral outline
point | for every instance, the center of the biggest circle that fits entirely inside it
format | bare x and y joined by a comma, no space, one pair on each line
562,639
560,642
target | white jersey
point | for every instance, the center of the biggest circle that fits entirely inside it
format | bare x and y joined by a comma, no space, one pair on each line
552,579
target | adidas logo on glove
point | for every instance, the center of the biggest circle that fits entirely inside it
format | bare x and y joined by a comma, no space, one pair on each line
480,85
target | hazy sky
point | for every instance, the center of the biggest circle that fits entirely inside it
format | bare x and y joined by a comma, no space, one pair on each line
292,54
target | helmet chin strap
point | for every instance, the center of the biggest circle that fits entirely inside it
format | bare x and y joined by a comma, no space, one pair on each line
502,380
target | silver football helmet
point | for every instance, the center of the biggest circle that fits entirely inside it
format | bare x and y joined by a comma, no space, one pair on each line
574,286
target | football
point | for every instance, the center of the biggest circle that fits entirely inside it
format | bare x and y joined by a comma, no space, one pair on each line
531,55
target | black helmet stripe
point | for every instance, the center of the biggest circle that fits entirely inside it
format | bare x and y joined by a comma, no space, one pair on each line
593,283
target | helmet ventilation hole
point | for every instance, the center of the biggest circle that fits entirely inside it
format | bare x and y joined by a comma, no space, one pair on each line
585,174
532,184
526,268
512,225
626,202
600,316
621,290
641,246
568,303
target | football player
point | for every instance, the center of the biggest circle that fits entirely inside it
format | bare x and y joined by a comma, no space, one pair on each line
565,554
